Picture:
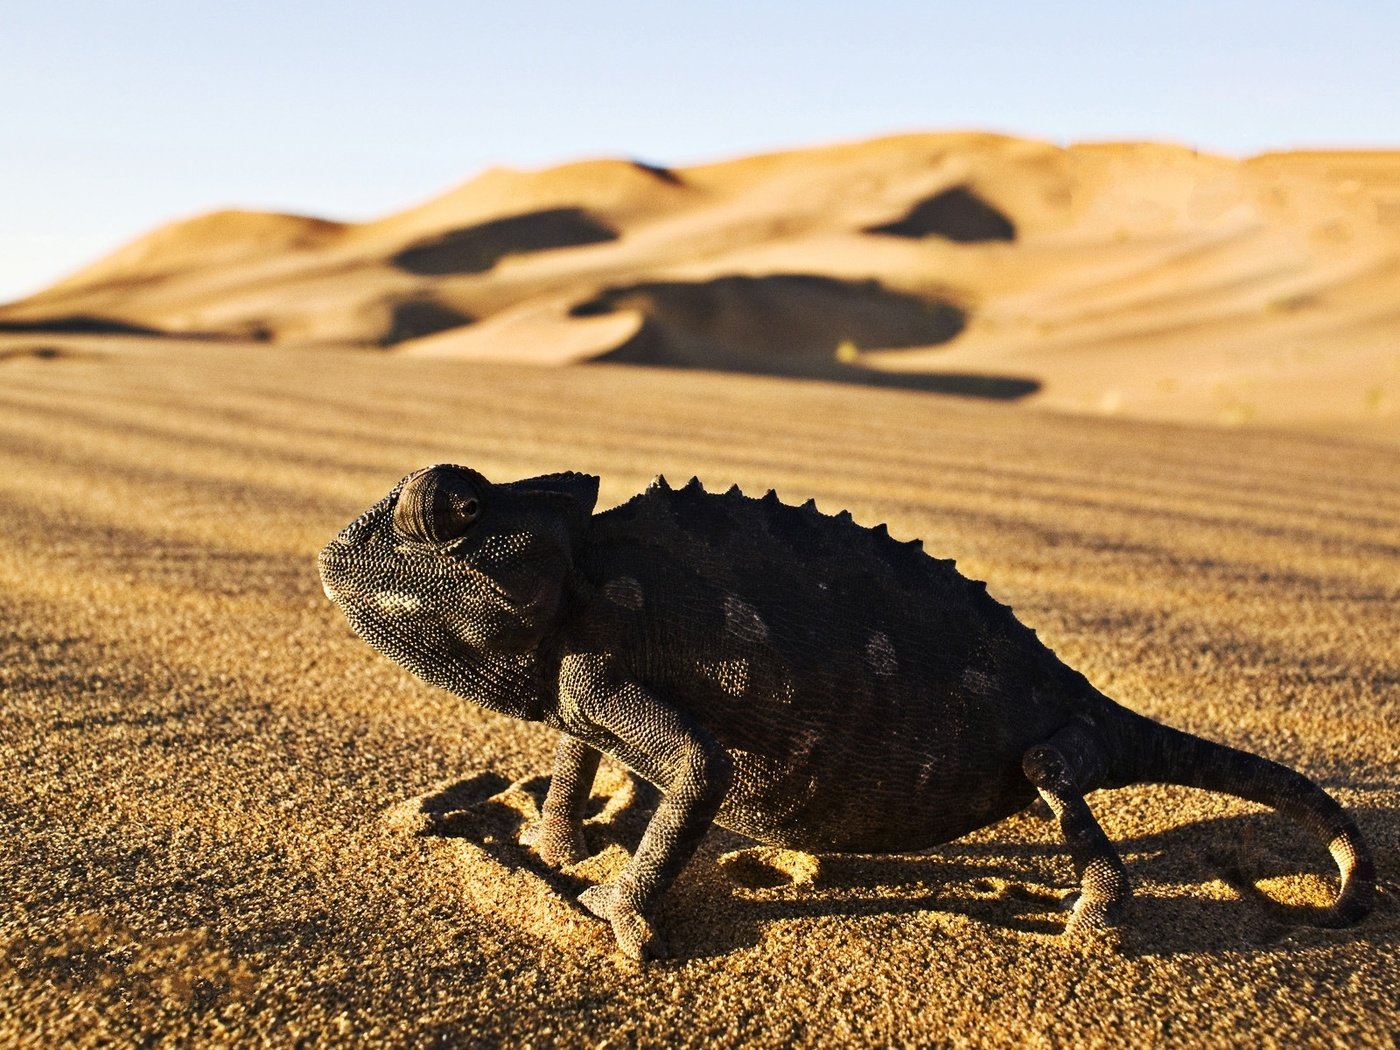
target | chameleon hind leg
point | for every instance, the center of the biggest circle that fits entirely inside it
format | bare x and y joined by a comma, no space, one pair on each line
1062,769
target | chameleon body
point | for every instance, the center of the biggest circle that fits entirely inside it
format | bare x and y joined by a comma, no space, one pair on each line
792,676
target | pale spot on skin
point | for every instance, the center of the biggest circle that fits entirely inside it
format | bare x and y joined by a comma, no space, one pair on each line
975,681
624,591
925,775
879,650
396,604
806,744
731,675
742,620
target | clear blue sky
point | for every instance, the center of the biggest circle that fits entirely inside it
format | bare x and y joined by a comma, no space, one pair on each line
118,116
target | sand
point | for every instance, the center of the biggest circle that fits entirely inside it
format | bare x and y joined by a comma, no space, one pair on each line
229,822
1133,280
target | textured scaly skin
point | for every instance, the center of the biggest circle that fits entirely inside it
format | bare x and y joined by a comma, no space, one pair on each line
794,677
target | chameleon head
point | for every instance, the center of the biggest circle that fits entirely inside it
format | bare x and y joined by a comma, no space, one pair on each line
449,568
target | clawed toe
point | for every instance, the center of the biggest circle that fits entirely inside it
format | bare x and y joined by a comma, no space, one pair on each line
598,900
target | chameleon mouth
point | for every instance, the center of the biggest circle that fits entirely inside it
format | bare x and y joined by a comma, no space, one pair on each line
328,563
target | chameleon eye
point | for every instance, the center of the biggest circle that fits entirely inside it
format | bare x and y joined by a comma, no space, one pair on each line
463,509
436,505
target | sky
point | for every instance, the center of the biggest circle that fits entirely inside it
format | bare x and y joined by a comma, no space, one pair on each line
117,116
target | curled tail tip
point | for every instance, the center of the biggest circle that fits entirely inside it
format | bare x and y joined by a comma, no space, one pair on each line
1358,893
1182,758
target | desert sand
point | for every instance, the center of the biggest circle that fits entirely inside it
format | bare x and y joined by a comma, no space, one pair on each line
229,822
1137,280
1151,396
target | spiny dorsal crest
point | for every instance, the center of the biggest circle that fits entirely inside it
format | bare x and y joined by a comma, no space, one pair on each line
693,503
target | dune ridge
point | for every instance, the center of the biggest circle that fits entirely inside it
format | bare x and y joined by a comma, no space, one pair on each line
1138,279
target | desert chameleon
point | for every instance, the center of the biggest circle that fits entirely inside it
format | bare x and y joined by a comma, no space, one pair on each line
795,677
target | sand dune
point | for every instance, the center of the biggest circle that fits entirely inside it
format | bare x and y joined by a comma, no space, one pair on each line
229,822
1136,279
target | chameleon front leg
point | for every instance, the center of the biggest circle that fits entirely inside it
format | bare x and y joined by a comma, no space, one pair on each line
558,836
693,772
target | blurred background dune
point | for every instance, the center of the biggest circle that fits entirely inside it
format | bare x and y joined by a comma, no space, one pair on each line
1135,279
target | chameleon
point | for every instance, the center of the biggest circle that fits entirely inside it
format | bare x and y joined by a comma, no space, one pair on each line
793,676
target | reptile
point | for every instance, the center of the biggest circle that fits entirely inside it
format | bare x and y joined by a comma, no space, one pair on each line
789,675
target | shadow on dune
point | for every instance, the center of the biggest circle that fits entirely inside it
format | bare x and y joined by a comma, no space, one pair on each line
476,249
795,325
659,172
956,214
414,318
956,384
81,324
39,353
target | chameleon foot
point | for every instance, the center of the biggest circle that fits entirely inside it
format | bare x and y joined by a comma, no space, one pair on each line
1090,916
557,840
635,934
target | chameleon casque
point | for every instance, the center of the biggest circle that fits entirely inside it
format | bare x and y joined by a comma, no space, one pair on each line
792,676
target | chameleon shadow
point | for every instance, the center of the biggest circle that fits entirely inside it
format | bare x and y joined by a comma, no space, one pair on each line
478,810
1008,886
475,810
1022,887
1243,851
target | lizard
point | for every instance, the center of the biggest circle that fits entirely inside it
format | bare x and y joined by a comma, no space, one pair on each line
792,676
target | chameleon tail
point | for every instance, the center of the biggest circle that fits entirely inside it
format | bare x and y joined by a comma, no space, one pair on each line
1169,756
